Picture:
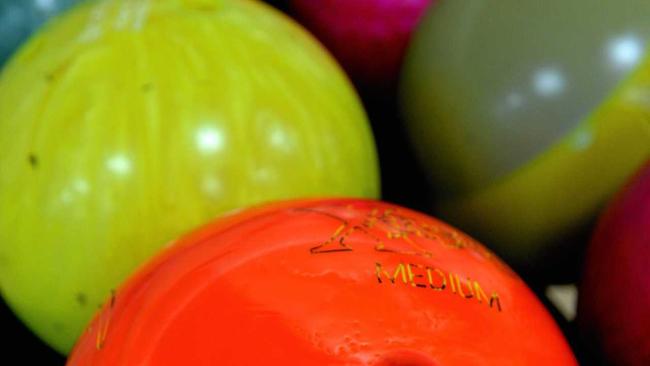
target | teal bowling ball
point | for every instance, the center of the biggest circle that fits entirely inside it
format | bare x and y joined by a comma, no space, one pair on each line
20,18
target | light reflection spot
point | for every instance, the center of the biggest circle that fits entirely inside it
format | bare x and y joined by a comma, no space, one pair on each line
211,187
45,4
582,139
625,51
549,82
514,100
81,186
119,164
209,139
278,138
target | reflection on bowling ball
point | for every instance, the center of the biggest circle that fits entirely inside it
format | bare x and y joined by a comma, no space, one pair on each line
324,282
529,116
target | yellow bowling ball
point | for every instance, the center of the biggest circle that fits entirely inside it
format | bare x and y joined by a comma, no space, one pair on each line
128,122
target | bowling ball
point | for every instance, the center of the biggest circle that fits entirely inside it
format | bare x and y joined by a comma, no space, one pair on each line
615,290
368,37
20,18
529,116
128,122
324,282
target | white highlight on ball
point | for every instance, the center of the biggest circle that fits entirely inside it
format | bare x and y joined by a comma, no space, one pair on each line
549,82
119,164
209,139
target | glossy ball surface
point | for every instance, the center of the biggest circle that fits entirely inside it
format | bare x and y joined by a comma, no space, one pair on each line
615,288
529,116
368,37
324,282
129,122
20,18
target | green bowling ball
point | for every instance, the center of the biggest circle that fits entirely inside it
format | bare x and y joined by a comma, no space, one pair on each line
20,18
528,116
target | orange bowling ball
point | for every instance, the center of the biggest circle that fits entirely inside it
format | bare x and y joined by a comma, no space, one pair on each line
324,282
